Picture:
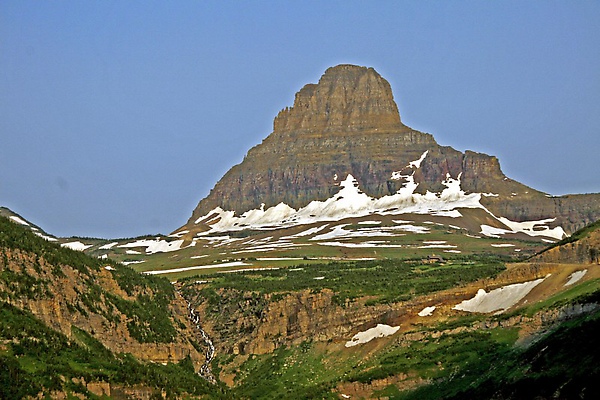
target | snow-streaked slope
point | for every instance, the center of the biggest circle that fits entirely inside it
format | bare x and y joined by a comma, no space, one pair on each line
351,202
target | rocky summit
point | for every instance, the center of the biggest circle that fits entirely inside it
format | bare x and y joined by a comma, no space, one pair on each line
348,124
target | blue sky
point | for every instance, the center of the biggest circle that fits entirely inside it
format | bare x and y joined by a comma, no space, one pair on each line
117,117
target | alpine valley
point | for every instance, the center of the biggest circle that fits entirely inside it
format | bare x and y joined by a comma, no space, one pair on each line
347,256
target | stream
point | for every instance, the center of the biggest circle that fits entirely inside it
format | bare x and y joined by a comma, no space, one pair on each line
205,370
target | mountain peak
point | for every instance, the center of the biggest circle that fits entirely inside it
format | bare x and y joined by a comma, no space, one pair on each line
348,98
348,124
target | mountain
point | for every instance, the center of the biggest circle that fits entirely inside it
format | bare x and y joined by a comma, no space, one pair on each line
71,324
346,130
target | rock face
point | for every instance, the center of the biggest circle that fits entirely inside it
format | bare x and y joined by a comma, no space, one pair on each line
582,248
262,323
348,123
346,99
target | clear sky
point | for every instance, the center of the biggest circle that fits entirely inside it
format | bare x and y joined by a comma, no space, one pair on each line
117,117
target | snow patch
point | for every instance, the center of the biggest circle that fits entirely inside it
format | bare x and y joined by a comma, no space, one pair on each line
575,277
427,311
108,246
535,228
248,269
413,228
367,244
77,245
490,231
132,262
502,245
369,222
307,232
339,232
173,270
48,238
155,246
380,330
450,213
19,220
501,299
417,163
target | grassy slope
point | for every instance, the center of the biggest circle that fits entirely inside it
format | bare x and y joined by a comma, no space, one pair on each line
386,280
